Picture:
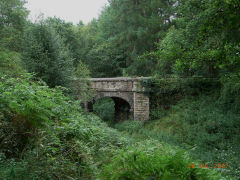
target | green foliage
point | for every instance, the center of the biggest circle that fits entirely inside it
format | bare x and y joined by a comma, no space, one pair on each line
152,160
145,38
105,109
81,88
135,26
139,131
202,126
144,65
230,94
82,71
201,42
25,106
87,38
27,102
12,23
199,114
47,56
130,127
72,37
46,135
124,31
210,119
167,91
10,63
107,61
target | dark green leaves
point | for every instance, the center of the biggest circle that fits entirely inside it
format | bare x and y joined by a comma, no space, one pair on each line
46,54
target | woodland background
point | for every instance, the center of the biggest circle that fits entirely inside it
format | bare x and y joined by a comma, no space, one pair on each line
191,48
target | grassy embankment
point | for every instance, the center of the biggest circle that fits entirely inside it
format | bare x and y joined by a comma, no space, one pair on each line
46,135
195,119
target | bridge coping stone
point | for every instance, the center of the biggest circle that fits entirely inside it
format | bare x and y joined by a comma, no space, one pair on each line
119,79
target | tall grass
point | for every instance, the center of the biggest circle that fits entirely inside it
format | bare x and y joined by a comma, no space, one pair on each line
46,135
157,161
198,125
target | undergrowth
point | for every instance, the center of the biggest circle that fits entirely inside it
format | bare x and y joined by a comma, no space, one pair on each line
153,160
46,135
198,125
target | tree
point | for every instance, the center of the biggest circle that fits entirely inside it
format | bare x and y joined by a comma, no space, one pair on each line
12,23
203,39
46,55
104,61
125,30
68,33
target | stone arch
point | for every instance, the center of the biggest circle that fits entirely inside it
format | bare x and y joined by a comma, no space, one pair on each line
128,89
128,97
123,104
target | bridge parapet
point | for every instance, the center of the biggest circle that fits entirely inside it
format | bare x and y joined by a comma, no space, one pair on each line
117,84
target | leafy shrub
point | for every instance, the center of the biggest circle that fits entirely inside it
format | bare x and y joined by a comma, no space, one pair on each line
165,92
200,125
105,109
81,87
230,93
204,116
44,135
45,54
24,107
151,160
10,63
140,131
130,126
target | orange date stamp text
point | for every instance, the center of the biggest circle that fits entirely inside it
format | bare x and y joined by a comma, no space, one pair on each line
207,166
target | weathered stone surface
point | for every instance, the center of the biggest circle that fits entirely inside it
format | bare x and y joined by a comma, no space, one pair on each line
128,89
141,106
117,84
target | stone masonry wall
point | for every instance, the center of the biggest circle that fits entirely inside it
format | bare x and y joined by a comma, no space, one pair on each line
141,107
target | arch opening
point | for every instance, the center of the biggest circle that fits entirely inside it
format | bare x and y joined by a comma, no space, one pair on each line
112,109
104,108
122,109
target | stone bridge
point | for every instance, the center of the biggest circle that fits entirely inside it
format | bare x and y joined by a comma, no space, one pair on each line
127,94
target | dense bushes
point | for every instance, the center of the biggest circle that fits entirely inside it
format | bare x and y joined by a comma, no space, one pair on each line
200,114
153,160
45,54
230,94
201,125
164,92
214,131
10,63
105,109
45,135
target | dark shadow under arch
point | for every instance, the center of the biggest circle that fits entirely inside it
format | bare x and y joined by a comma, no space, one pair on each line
123,110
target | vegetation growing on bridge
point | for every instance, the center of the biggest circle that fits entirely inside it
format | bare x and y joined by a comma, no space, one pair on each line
189,47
